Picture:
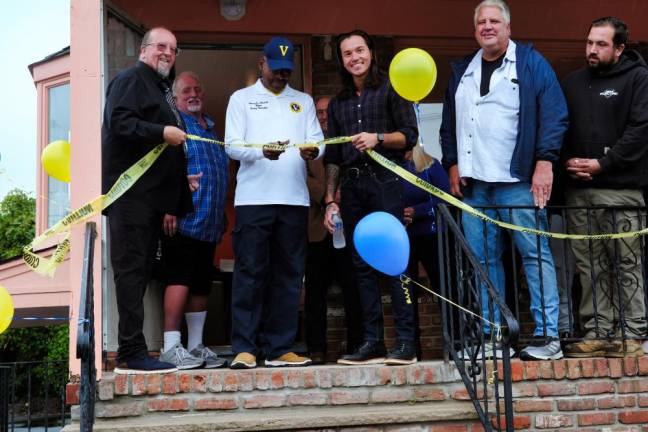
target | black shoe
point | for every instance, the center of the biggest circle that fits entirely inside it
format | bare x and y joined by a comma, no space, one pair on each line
144,364
318,357
403,353
367,353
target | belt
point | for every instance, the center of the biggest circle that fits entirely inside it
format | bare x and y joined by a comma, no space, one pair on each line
356,172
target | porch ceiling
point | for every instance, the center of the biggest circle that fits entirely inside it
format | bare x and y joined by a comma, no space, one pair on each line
532,19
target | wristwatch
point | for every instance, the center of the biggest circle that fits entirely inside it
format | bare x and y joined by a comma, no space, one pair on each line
381,137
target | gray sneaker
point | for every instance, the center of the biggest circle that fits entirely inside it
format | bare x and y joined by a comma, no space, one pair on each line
212,361
488,351
542,349
180,358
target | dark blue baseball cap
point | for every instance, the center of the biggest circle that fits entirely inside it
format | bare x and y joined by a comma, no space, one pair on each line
280,53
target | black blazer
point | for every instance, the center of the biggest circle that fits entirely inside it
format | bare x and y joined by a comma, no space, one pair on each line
135,115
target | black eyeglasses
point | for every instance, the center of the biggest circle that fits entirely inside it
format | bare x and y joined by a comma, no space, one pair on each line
162,47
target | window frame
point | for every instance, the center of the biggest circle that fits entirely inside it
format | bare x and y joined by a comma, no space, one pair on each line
42,188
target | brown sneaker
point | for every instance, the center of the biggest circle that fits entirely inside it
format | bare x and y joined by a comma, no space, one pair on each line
587,348
243,361
289,359
632,349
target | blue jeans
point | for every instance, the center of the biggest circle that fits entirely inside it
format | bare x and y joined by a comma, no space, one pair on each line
541,280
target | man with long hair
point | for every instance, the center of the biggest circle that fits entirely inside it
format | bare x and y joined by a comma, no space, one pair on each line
368,109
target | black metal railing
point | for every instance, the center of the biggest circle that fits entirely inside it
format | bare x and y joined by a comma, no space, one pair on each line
601,283
33,395
582,288
4,400
470,341
85,345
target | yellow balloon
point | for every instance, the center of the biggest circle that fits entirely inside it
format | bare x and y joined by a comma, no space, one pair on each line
6,309
56,160
413,73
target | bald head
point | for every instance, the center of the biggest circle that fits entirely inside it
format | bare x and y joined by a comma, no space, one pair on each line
158,50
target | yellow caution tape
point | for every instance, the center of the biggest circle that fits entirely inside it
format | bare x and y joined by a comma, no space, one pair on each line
47,267
279,147
416,181
126,180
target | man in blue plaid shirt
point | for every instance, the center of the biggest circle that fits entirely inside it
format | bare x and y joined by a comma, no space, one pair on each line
188,243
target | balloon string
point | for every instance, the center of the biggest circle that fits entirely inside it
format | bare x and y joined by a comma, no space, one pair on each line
498,328
417,110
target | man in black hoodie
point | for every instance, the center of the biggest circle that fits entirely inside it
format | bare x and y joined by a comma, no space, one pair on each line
606,157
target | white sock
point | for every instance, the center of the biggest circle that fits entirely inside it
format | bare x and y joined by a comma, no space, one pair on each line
170,339
195,325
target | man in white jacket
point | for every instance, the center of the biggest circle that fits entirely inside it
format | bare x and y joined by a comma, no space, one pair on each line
271,203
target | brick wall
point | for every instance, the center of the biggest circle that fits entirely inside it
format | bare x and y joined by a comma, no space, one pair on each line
575,394
581,394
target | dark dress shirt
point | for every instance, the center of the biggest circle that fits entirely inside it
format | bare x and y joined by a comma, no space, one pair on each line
135,115
376,110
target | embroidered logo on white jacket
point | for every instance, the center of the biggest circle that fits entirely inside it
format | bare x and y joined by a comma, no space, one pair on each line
609,93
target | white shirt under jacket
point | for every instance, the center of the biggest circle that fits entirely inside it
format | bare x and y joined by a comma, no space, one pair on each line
487,126
255,115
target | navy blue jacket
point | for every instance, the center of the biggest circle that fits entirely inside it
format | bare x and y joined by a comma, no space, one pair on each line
543,113
423,202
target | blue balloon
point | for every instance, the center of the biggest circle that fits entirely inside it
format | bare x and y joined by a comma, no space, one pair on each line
381,240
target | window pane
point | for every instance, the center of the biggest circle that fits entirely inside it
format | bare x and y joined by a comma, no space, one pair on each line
58,202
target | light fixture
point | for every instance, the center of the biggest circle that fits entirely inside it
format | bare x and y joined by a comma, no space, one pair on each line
232,10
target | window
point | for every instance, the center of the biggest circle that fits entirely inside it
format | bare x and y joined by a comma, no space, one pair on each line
58,128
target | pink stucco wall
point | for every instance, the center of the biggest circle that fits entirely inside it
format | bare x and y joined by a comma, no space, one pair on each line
86,21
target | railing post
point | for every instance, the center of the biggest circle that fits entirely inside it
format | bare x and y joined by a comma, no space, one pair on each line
85,334
4,398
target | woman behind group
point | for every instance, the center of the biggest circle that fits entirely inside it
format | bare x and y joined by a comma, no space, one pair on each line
420,220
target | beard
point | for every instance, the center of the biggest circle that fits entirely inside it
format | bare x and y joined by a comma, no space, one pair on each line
163,70
601,66
195,108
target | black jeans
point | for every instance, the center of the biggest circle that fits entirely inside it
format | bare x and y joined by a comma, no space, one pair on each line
270,248
324,264
363,194
134,232
424,250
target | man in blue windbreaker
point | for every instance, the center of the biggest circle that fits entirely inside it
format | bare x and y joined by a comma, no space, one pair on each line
504,117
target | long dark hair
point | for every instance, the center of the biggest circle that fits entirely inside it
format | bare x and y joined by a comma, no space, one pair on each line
374,77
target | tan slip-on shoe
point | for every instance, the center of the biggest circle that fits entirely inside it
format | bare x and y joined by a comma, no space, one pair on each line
289,359
243,360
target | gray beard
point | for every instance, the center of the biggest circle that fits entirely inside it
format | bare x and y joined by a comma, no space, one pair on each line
163,72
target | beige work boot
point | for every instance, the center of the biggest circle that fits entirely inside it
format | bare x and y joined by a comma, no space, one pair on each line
632,349
587,348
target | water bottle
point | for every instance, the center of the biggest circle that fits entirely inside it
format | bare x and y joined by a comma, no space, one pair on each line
338,234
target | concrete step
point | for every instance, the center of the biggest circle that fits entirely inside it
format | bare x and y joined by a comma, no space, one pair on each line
311,418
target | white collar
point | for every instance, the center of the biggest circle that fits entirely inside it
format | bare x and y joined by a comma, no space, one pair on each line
259,88
476,61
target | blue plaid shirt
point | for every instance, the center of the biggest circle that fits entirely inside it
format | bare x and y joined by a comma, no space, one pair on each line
207,222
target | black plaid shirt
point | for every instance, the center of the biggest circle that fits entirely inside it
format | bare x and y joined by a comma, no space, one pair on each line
379,110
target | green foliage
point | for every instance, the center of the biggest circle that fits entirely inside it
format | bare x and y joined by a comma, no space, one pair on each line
46,344
17,222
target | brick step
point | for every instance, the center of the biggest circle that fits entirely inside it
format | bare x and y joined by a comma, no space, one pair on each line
443,414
